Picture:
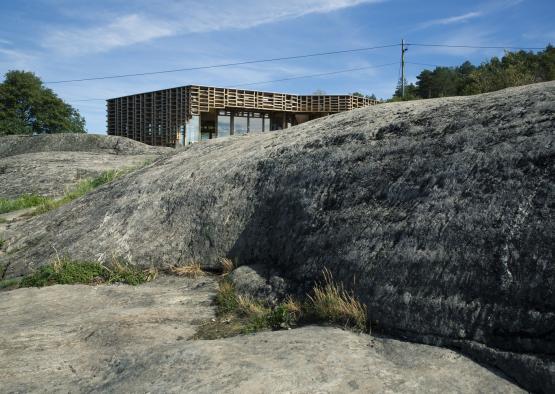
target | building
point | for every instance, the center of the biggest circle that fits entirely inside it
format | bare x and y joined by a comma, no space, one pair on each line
188,114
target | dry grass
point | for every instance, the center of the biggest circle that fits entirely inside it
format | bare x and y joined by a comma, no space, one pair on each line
243,314
248,306
293,307
227,265
190,270
329,301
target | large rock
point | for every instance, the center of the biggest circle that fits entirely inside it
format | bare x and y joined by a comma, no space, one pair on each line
438,213
52,164
123,339
12,145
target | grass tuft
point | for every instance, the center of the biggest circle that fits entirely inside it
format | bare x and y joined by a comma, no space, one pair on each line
190,270
64,271
226,299
330,302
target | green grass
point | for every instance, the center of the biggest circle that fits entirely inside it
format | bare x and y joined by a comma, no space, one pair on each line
8,284
80,190
21,202
64,271
45,204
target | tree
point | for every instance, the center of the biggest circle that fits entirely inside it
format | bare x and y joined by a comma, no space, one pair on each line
319,92
27,106
411,91
358,94
513,69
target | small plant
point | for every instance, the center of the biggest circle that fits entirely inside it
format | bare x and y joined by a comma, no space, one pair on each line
64,271
286,314
226,299
330,302
226,265
2,242
190,270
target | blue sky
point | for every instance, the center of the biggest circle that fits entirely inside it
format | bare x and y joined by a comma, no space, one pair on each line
69,39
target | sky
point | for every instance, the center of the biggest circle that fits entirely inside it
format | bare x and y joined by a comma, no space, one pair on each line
74,39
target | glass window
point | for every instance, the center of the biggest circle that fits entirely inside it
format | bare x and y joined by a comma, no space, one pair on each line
266,123
192,130
224,125
240,124
255,125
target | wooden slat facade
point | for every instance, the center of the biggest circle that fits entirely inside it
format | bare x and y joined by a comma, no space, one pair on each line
156,118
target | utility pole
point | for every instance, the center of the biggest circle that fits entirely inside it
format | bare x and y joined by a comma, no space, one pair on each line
403,50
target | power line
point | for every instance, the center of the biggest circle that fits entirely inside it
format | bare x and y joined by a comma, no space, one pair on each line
315,75
224,64
284,58
283,79
474,46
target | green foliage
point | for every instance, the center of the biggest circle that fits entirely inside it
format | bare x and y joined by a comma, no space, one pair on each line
7,284
26,107
2,242
226,299
358,94
513,69
21,202
64,271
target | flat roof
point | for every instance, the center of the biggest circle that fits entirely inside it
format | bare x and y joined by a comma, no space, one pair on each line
234,88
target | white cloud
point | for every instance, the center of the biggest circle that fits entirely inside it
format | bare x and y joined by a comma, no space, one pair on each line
163,19
125,30
14,59
452,19
463,36
488,8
